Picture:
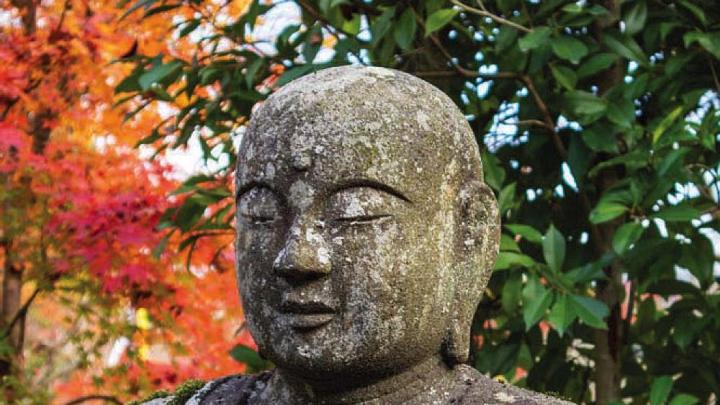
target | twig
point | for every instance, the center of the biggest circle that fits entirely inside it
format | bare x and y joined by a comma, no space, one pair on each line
547,117
106,398
494,17
308,8
20,313
714,74
62,15
536,123
8,106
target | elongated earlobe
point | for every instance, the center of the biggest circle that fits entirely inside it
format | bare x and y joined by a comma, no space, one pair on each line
476,247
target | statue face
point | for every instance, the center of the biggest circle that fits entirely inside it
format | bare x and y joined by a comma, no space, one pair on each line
342,259
349,183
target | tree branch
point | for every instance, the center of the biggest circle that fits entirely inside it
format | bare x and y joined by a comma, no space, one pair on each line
494,17
20,314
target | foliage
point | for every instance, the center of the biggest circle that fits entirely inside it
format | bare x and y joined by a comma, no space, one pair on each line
79,222
599,122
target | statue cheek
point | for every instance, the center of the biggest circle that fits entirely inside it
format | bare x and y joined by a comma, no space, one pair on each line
369,261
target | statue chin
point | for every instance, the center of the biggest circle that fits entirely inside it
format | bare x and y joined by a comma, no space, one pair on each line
330,355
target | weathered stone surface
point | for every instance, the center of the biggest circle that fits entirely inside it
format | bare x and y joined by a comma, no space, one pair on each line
365,238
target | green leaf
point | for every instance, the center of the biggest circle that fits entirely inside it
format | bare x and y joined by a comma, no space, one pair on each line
439,19
660,390
584,103
605,211
160,9
569,48
534,39
160,247
189,27
631,160
595,64
625,47
554,248
590,271
684,399
129,84
578,158
562,313
312,44
695,10
381,25
511,292
572,8
507,260
672,161
599,140
353,25
494,173
621,112
678,213
507,197
249,357
252,70
150,139
665,123
635,17
711,42
526,231
536,301
295,72
565,76
626,235
405,29
507,243
141,3
157,73
590,311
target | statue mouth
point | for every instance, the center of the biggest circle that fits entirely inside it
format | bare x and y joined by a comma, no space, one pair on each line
307,315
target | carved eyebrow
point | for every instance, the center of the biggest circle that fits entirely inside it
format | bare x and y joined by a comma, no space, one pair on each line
356,183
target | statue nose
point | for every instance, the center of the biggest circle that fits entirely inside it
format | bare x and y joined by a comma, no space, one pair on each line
304,256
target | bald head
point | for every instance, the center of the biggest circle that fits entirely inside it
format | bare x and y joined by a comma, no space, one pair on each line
377,120
361,189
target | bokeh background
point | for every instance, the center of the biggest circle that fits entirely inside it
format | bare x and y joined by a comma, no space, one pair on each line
598,124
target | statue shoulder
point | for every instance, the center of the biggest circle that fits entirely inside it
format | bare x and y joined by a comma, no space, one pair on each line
234,389
480,389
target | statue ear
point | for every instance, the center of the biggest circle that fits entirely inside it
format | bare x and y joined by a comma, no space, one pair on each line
477,241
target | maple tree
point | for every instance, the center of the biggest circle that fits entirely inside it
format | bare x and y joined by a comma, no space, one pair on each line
81,239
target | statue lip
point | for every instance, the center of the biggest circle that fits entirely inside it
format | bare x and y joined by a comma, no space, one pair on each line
306,307
307,315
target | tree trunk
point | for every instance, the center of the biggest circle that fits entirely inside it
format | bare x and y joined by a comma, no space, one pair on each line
608,342
12,311
11,304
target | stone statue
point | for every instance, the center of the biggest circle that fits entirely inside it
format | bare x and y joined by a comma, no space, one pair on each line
365,239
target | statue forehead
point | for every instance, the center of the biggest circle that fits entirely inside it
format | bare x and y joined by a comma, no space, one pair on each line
359,112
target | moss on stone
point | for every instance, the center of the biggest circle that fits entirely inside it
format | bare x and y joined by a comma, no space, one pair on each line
186,391
154,395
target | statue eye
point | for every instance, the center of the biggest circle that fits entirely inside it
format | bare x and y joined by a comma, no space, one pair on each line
361,205
258,205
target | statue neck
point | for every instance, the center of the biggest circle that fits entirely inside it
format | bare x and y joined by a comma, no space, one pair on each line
427,380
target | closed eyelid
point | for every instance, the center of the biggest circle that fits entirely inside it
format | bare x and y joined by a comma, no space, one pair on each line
247,187
358,184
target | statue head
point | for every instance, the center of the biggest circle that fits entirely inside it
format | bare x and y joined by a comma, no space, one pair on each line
365,232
